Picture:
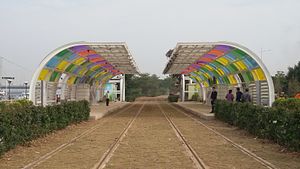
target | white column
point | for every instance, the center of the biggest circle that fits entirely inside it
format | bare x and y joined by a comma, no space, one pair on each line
183,88
122,88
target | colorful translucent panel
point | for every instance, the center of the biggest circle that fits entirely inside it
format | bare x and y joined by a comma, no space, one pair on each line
81,63
258,74
62,65
53,62
44,73
227,64
54,76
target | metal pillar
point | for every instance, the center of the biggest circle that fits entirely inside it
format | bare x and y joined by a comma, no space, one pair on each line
122,88
183,88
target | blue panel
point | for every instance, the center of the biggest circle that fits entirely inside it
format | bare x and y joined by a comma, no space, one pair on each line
52,63
72,57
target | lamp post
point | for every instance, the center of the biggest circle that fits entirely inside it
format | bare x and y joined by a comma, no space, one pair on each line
263,51
9,82
26,83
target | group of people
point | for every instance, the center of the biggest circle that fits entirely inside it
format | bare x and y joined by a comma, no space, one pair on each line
240,97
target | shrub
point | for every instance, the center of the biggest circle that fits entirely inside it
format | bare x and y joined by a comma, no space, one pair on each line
21,122
195,97
279,123
173,98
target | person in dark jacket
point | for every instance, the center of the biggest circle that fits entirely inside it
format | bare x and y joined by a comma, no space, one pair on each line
246,96
239,95
213,98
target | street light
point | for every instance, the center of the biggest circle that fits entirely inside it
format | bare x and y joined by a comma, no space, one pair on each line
263,51
26,83
9,82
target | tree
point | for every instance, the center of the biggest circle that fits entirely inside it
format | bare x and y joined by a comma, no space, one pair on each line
146,85
280,83
293,79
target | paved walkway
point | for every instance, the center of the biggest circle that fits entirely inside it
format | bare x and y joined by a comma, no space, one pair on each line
197,108
99,110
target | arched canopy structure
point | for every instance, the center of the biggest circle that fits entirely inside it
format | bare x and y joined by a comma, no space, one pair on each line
222,64
76,67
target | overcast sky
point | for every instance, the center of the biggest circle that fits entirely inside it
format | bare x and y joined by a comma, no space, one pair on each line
30,29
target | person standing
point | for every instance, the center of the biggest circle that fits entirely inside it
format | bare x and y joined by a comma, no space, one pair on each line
213,98
246,96
239,95
229,96
107,98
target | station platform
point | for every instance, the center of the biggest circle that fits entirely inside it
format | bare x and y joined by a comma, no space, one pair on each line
196,108
99,110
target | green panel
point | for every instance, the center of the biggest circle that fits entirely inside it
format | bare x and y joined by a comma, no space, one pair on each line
69,68
85,63
247,76
75,81
232,68
54,76
226,80
88,73
64,53
217,64
216,74
238,53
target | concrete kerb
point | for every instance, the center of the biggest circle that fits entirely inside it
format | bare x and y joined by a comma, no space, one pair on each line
205,116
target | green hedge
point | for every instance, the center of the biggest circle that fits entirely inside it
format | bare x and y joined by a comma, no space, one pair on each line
279,123
21,122
173,98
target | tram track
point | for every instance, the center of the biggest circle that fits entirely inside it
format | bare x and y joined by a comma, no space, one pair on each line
192,153
231,142
73,140
108,154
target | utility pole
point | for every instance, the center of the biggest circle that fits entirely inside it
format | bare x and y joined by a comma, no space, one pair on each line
1,68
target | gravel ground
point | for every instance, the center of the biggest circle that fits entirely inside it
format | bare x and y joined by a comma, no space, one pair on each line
150,143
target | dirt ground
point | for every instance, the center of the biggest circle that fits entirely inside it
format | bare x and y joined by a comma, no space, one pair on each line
149,143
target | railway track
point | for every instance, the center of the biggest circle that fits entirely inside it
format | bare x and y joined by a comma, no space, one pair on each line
108,154
70,142
192,153
234,144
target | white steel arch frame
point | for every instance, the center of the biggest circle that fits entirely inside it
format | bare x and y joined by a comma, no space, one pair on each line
177,64
111,58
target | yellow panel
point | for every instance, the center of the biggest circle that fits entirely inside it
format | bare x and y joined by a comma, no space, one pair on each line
82,71
232,79
206,75
242,65
198,86
259,74
224,61
100,74
221,72
43,75
62,65
79,61
209,67
238,66
205,83
95,67
71,80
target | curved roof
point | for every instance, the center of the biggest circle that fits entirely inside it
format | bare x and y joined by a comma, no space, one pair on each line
226,62
87,62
